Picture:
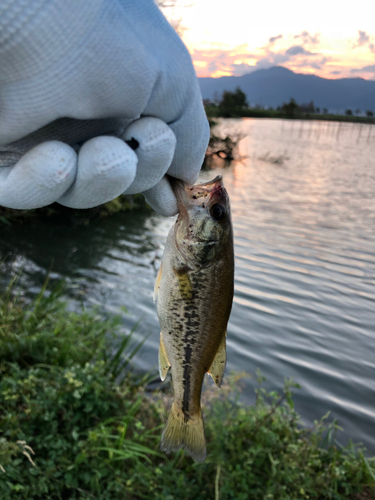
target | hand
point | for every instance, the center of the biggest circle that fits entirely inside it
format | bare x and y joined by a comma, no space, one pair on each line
109,72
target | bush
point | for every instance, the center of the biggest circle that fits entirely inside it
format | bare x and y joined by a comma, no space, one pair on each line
71,427
123,203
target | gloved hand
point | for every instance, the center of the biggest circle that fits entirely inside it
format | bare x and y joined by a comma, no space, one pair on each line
109,72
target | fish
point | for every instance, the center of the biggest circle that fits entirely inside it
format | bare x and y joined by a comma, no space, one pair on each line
194,295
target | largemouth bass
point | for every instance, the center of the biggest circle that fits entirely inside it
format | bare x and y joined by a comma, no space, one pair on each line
194,292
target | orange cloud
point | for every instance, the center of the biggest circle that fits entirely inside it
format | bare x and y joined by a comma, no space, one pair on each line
303,53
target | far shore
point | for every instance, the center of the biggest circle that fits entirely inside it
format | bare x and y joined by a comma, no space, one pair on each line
213,112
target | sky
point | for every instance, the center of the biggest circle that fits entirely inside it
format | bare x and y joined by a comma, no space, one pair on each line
327,38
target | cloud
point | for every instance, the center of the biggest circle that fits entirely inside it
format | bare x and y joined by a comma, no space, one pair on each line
242,69
237,61
298,50
365,69
273,39
335,72
307,38
315,64
265,63
363,38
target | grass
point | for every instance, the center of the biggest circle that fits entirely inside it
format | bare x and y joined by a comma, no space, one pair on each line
76,424
123,203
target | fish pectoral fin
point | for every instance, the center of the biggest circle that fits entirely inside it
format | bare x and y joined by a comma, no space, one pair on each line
157,282
218,365
184,283
164,363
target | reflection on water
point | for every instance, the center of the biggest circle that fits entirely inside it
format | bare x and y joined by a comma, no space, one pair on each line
303,208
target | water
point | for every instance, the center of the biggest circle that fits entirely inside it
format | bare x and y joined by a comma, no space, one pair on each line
304,216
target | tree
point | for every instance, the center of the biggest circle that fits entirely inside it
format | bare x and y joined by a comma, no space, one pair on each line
369,113
290,109
349,112
233,103
216,98
357,111
325,111
307,108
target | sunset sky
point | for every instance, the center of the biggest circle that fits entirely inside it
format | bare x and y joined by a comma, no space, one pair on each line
328,38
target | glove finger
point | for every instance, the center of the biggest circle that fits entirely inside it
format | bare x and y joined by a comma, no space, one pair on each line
161,198
39,178
192,133
154,143
106,168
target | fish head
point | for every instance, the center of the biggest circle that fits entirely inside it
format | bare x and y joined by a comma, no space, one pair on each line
203,230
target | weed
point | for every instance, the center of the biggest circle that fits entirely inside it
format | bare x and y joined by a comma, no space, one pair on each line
75,424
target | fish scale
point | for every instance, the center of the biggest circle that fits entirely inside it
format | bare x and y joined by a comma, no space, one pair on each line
194,291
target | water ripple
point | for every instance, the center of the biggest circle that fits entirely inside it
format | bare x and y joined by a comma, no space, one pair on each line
305,265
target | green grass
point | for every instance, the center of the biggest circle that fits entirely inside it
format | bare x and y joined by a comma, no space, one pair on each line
75,423
123,203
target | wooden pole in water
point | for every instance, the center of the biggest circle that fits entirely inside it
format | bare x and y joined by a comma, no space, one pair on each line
369,133
359,133
318,132
338,131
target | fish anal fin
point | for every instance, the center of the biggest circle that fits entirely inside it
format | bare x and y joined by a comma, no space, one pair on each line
157,282
217,367
164,363
184,283
184,433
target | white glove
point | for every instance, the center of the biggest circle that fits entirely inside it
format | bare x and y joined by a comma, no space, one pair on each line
105,72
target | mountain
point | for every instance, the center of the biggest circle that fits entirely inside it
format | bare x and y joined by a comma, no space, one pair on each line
274,86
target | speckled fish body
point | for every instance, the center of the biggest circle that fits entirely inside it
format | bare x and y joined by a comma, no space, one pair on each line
194,291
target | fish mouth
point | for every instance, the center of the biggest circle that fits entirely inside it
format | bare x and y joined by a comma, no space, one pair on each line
211,191
218,179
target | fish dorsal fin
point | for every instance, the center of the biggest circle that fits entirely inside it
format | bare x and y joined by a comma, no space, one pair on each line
164,364
218,365
157,282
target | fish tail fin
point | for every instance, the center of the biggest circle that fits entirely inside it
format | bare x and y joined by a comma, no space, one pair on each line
188,434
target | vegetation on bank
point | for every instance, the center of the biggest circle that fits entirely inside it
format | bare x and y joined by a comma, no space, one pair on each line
234,105
76,423
220,145
123,203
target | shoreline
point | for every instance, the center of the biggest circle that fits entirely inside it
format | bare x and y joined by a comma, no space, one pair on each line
77,423
254,113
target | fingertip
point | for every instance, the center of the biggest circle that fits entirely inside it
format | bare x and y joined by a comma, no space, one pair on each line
162,199
106,168
40,177
154,144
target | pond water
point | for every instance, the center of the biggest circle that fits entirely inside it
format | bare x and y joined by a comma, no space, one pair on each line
304,218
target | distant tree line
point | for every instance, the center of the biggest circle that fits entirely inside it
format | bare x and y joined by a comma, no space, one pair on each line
231,104
234,104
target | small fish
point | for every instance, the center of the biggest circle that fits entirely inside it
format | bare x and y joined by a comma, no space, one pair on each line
194,292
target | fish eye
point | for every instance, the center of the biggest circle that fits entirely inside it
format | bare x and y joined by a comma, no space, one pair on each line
218,211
